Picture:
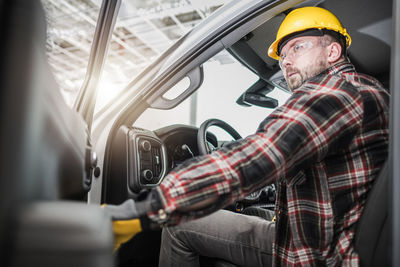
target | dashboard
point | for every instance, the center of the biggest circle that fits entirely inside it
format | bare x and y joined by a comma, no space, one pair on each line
141,158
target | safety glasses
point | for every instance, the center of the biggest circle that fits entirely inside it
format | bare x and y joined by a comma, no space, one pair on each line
296,50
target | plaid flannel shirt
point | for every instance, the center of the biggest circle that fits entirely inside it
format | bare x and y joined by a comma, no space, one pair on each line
323,148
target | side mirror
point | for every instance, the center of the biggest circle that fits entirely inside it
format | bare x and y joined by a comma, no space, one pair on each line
256,99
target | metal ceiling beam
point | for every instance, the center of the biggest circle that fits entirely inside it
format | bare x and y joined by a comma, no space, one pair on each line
92,22
141,25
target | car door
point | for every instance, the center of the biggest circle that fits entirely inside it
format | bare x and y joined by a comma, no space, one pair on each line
46,159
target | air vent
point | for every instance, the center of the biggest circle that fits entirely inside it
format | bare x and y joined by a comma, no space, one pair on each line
150,156
156,154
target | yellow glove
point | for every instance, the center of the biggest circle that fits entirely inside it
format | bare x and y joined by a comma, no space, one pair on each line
124,231
126,220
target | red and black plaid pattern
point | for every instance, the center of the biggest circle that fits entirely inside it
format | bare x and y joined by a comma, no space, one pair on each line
323,148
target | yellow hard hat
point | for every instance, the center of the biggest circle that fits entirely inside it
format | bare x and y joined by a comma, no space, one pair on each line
306,18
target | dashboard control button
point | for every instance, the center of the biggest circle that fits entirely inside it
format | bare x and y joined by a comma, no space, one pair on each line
146,145
147,174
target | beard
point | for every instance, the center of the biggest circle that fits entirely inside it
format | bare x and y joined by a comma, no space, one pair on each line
300,76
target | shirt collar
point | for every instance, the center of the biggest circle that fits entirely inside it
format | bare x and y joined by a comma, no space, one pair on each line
341,67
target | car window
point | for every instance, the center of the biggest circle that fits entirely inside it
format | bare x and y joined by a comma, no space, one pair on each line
70,30
143,31
225,80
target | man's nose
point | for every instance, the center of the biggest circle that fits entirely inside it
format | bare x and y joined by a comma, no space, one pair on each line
285,62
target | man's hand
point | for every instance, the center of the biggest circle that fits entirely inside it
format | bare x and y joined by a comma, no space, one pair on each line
126,220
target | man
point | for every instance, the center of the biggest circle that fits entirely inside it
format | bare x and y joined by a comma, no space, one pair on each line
323,148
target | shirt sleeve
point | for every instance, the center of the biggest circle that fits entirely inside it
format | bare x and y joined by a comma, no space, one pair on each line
315,120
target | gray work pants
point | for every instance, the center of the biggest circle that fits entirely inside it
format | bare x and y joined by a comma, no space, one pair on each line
240,239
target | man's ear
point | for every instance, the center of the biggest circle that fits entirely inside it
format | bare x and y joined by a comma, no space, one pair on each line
334,52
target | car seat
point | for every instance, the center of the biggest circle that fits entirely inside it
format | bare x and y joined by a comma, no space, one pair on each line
372,233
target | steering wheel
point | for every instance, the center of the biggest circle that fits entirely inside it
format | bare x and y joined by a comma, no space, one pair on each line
202,133
266,194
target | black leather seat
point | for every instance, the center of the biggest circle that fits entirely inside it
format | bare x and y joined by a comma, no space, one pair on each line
373,229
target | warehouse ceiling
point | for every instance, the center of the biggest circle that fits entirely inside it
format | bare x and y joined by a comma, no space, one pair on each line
144,29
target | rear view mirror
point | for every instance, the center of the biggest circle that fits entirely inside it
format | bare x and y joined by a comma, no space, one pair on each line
256,99
256,95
